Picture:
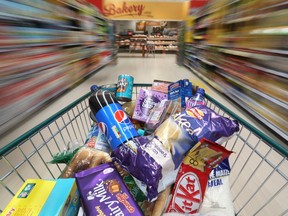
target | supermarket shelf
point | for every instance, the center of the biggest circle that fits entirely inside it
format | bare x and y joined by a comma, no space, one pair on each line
279,30
244,101
208,12
280,4
267,70
50,56
40,5
14,17
272,99
241,100
190,51
167,44
29,72
166,49
273,51
204,78
86,10
162,39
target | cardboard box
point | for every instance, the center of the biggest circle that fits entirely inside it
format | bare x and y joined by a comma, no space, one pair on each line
45,198
63,200
181,91
160,86
30,199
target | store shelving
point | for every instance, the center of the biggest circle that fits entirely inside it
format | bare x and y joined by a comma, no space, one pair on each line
45,49
240,48
138,43
164,43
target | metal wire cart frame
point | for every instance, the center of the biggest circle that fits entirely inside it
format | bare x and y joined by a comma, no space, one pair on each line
259,166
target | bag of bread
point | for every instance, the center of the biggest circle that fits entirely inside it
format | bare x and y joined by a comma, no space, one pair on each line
85,158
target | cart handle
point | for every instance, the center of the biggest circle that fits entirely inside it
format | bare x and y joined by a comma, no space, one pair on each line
6,149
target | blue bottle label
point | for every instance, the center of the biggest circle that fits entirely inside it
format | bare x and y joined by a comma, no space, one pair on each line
115,125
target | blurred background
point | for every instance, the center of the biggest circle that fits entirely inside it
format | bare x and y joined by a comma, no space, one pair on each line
239,47
47,48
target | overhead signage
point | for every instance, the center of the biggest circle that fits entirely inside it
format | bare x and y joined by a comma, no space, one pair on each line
141,10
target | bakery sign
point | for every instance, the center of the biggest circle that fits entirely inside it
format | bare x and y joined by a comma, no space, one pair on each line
135,10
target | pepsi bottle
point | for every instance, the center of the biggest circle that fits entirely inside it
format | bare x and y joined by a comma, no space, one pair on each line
111,118
196,99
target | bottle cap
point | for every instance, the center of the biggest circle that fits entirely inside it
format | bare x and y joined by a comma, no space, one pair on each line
141,132
201,91
94,88
101,99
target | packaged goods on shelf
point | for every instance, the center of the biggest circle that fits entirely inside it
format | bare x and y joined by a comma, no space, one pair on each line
47,40
241,51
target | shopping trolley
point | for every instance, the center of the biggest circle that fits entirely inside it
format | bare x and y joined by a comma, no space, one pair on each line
259,166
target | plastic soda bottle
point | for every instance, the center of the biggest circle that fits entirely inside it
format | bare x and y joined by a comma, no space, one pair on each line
196,99
111,118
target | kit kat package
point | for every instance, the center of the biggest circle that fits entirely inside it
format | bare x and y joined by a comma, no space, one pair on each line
191,181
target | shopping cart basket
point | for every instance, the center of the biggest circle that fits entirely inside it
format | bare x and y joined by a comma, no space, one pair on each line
259,167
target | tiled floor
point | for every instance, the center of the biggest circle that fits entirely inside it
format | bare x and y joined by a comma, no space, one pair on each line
143,69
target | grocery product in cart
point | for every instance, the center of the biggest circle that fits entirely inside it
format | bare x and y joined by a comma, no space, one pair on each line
111,118
217,198
160,113
38,197
145,103
124,87
103,192
148,162
196,99
180,132
74,127
129,108
96,139
181,91
30,198
190,185
85,158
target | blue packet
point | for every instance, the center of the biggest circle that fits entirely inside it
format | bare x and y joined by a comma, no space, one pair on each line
180,90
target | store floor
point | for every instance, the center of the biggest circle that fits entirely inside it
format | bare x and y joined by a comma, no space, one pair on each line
143,69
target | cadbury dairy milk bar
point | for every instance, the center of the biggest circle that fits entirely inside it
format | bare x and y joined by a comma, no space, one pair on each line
103,192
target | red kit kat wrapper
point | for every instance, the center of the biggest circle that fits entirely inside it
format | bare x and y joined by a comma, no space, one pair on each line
192,178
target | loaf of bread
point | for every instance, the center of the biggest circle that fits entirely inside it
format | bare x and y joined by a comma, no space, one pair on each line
85,158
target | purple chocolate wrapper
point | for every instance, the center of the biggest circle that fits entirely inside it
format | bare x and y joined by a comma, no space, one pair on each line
202,122
103,192
145,102
136,157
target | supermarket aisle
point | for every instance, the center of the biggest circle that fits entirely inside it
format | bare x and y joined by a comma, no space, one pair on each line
144,70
